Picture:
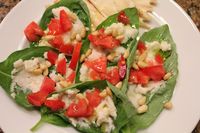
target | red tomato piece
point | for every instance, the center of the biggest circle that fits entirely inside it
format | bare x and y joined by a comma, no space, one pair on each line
57,42
94,98
65,22
122,67
52,57
33,32
54,105
98,65
61,66
48,85
138,77
38,98
123,18
75,56
113,76
77,109
55,27
94,75
159,59
141,47
89,111
71,77
103,40
156,73
67,49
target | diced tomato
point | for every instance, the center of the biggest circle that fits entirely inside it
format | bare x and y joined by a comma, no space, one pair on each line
67,49
94,75
52,57
156,73
33,32
57,42
48,85
65,22
138,77
159,59
90,110
75,56
99,65
38,98
55,27
123,18
77,109
71,77
54,105
103,40
141,47
94,98
113,76
122,67
61,66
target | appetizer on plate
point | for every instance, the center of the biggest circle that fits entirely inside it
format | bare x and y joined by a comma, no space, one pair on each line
106,80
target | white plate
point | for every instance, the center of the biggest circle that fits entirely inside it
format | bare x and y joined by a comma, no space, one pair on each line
186,111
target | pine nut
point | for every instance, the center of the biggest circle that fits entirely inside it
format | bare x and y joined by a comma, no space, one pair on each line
37,71
119,85
18,63
60,77
142,109
78,37
167,76
89,52
64,84
48,63
126,54
135,66
83,56
142,64
43,66
142,100
109,92
73,36
46,72
110,57
168,105
80,96
83,32
114,32
103,93
143,56
95,33
108,31
120,37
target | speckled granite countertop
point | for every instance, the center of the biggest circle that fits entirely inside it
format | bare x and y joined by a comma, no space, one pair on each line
192,7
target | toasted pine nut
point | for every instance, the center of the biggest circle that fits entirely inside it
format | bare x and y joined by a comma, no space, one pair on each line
142,100
64,83
119,85
135,66
46,72
37,71
83,56
95,33
103,93
143,56
167,76
126,54
43,66
120,37
83,32
73,36
89,52
78,37
109,92
168,105
110,57
142,64
114,32
142,109
60,77
73,16
48,63
79,95
108,31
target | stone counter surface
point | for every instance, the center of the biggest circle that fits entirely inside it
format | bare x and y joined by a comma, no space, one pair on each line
192,7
